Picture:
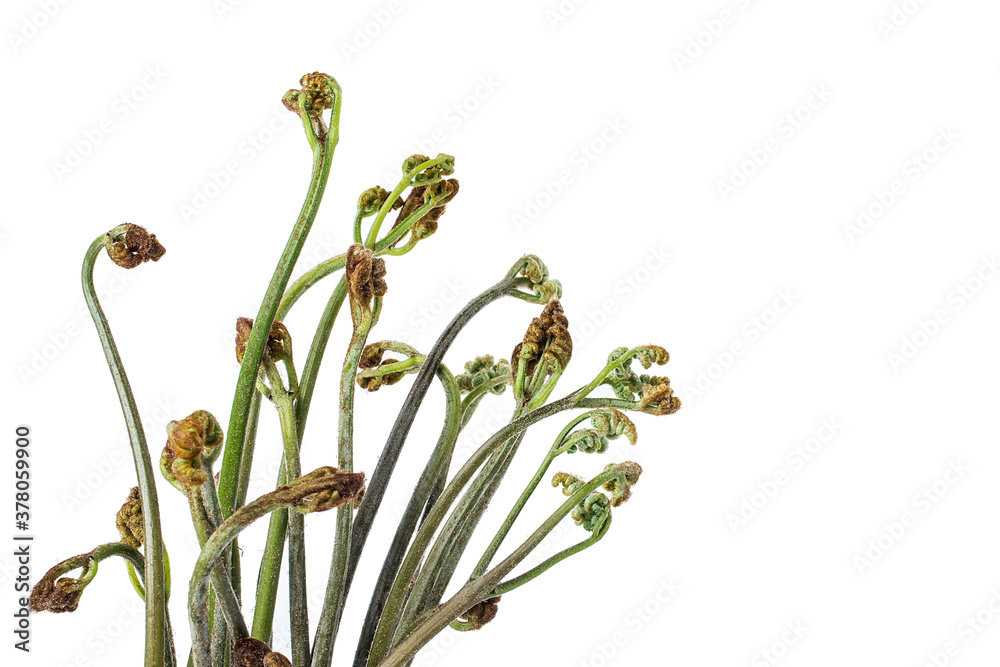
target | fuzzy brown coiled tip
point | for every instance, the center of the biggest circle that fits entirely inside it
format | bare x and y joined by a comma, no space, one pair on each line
481,613
129,519
365,276
279,341
441,192
658,397
250,652
130,245
376,382
318,92
59,594
322,89
323,489
58,597
547,334
187,440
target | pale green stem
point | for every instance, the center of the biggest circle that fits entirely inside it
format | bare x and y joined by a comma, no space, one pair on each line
329,620
476,591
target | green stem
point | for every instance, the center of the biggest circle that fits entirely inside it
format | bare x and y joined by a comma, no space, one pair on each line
508,523
156,643
270,566
230,606
435,471
482,588
400,588
298,602
329,620
298,491
404,183
245,384
398,596
516,582
443,559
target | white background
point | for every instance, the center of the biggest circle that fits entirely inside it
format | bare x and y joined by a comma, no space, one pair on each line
809,111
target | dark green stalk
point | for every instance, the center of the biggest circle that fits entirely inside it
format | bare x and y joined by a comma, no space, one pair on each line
156,643
421,541
433,473
484,587
443,559
401,428
522,500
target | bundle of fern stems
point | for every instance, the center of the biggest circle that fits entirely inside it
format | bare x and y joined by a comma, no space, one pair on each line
409,602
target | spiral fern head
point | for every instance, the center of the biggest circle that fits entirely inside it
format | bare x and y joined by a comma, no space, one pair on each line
129,519
587,440
130,245
365,275
484,371
279,341
547,342
658,396
371,376
621,486
655,395
372,199
318,92
592,510
612,423
59,594
444,166
192,444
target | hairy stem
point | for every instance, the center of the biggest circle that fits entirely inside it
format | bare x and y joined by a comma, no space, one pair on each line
246,381
329,621
156,641
485,587
433,472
